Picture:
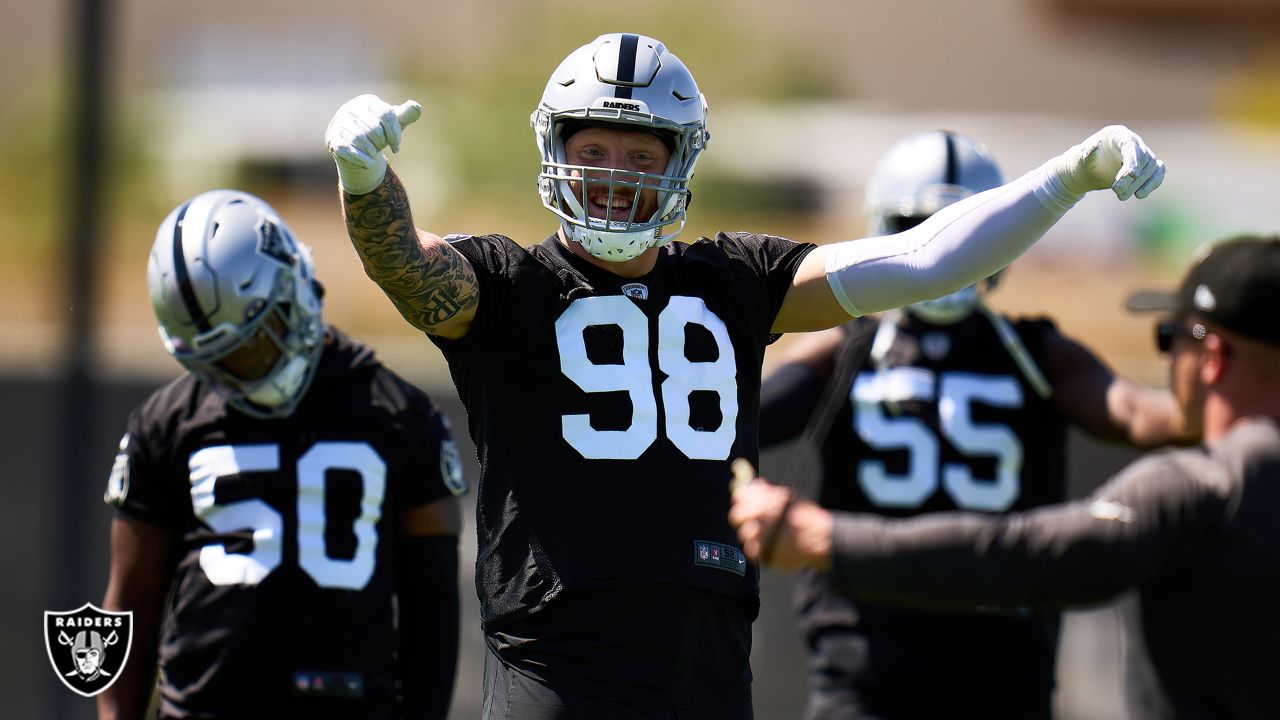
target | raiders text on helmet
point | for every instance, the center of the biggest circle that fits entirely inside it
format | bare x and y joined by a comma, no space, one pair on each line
920,175
628,80
227,276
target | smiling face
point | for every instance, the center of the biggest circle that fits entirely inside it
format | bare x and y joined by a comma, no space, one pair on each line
630,151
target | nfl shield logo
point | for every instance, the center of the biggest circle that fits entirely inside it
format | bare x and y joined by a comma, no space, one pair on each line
88,646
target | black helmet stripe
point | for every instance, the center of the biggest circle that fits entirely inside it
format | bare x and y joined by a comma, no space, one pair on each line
184,278
953,167
626,65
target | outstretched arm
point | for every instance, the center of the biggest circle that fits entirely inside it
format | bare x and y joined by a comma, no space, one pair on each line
1150,517
1107,405
790,392
964,242
431,284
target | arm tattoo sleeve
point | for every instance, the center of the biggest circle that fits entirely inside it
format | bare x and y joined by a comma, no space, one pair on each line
429,284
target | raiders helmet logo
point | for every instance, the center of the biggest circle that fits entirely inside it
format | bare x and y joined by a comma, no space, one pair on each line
88,646
273,243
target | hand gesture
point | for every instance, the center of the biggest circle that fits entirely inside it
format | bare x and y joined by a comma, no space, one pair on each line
1114,157
357,134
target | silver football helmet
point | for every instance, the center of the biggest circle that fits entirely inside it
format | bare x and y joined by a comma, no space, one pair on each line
920,175
237,301
633,81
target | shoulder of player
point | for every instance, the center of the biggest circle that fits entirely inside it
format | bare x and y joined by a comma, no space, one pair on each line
170,403
1035,327
488,248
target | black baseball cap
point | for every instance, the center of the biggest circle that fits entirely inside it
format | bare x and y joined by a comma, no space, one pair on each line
1234,283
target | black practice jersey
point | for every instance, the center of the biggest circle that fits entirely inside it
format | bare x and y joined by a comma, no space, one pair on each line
1194,532
284,533
941,417
606,412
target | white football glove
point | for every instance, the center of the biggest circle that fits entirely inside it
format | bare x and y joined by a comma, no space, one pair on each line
358,132
1114,157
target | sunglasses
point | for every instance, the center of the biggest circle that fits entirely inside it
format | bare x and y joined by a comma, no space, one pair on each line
1167,330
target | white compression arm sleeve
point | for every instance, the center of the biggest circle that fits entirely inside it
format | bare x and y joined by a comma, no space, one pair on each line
958,246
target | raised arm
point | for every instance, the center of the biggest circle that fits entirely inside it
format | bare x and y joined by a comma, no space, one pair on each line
964,242
431,284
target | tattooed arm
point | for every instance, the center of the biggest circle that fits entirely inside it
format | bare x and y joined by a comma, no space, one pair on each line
432,285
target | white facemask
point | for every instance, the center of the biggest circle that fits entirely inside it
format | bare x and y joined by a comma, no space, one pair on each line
947,309
281,386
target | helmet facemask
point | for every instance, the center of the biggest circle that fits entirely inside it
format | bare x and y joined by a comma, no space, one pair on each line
661,99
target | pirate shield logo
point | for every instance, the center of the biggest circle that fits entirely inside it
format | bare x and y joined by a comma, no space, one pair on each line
88,646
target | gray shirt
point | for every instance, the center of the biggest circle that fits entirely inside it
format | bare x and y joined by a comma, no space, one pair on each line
1195,531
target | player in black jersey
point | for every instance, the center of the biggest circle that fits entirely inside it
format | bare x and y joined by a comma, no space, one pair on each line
611,375
949,406
286,524
1193,530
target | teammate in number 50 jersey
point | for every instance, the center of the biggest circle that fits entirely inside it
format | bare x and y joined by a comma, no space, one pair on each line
277,502
611,375
949,406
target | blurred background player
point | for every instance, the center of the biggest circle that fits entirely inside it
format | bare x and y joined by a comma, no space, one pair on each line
611,375
286,524
1193,530
943,405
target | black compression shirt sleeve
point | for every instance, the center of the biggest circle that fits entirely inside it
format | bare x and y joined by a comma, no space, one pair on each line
1143,523
428,598
787,398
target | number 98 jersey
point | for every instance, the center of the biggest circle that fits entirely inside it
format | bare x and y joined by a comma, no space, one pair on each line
285,532
606,411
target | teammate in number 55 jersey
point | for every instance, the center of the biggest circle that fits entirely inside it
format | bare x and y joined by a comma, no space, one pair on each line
1192,530
286,516
947,405
611,375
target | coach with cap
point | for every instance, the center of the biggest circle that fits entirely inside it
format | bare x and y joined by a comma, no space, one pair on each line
1195,531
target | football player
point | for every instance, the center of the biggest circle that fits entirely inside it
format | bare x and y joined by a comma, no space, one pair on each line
286,519
1193,530
948,405
611,375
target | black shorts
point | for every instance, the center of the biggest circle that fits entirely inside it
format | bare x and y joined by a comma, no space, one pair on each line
511,695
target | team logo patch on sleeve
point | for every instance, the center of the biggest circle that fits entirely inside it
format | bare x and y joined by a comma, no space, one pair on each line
118,483
451,468
88,646
707,553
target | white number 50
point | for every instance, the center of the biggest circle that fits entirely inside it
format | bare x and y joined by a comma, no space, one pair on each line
226,568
